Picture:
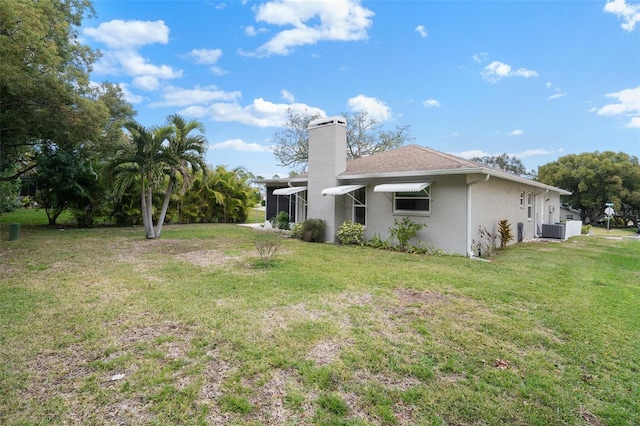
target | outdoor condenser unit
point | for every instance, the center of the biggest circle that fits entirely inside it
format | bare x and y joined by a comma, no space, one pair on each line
553,230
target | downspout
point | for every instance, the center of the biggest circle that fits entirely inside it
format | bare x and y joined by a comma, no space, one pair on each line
470,252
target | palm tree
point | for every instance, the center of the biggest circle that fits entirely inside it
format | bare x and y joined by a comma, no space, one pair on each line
144,157
187,157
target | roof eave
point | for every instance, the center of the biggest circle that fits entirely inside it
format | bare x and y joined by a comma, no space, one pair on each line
462,171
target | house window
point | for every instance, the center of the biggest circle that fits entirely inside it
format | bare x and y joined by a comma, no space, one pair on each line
359,214
529,206
522,199
412,202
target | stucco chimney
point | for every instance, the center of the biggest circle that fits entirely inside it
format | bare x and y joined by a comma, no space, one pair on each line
327,159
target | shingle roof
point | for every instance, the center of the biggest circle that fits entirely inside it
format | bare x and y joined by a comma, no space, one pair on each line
408,158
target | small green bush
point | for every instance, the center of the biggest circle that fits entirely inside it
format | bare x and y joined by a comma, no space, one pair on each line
404,230
351,233
281,221
504,231
296,231
377,242
585,229
313,230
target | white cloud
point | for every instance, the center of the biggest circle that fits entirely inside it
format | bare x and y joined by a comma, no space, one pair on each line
129,96
422,31
311,22
628,105
634,123
134,65
431,103
516,132
260,113
119,34
240,145
557,95
470,154
376,109
497,70
205,56
177,96
628,12
524,154
480,57
122,40
534,153
218,71
288,96
146,82
252,31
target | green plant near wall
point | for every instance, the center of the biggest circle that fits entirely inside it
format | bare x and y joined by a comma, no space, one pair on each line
505,232
351,233
404,230
313,230
281,221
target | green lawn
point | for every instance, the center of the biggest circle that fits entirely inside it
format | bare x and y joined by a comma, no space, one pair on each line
101,326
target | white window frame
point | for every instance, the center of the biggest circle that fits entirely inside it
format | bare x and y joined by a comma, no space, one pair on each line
414,196
530,206
359,204
522,199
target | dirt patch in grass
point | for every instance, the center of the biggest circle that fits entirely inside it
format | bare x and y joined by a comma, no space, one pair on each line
280,318
326,351
409,296
208,258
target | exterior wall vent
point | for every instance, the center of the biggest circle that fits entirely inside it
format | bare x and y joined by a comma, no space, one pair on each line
327,121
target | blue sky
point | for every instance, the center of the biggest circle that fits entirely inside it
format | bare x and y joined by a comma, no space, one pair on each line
535,79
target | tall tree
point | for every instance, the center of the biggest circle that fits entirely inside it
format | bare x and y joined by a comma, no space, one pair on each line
365,136
143,158
506,163
594,179
187,151
45,95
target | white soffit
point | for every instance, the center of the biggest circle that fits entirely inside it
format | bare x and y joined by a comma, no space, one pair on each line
341,190
401,187
289,190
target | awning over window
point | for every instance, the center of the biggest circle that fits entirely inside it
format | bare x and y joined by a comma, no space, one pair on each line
289,190
401,187
341,190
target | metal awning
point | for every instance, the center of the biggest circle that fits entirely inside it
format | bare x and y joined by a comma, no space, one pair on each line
401,187
289,190
341,190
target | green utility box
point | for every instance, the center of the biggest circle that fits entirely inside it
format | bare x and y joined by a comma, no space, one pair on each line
14,231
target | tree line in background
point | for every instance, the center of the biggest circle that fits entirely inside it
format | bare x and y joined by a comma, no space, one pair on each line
76,142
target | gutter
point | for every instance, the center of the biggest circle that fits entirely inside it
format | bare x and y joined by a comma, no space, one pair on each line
470,252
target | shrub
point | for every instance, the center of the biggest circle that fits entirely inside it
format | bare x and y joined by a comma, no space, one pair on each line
377,242
404,230
281,221
504,231
313,230
268,244
296,231
585,229
351,233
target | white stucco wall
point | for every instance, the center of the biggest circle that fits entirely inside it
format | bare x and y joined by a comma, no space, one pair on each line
327,159
446,224
498,199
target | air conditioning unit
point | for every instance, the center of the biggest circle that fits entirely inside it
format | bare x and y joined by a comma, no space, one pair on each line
553,230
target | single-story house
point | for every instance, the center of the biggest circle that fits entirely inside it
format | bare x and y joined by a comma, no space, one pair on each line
453,196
